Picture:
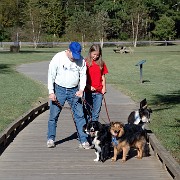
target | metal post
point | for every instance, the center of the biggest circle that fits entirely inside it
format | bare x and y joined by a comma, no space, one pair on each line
141,66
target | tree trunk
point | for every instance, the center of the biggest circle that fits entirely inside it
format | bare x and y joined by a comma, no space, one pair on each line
101,42
36,37
132,23
83,45
137,31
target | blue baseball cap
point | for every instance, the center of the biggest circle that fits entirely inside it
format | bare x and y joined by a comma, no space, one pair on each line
75,48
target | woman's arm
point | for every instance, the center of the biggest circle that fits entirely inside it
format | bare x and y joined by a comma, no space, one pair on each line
103,84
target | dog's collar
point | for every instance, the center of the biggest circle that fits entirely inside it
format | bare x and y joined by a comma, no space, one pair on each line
114,140
137,117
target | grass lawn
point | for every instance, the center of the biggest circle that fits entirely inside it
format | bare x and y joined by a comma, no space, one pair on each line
161,87
18,93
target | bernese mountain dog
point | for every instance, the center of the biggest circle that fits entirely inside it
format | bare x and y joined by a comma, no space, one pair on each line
101,139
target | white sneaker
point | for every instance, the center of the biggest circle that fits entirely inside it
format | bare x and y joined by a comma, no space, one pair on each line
50,143
85,145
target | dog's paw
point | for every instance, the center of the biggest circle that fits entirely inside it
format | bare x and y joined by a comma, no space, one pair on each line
113,159
123,160
138,157
96,160
103,160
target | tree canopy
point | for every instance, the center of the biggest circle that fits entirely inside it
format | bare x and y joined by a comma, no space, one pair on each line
89,20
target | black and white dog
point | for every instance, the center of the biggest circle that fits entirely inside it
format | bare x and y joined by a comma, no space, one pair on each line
101,139
141,116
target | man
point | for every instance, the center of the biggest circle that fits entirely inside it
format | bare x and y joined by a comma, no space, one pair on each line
66,81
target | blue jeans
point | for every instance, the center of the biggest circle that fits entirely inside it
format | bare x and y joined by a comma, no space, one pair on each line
63,94
93,105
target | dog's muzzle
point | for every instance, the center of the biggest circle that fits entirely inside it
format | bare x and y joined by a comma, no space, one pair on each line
115,133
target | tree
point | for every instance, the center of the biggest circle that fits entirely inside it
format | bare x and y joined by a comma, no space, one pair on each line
79,27
100,24
2,34
164,29
110,19
137,14
35,22
53,21
115,16
8,17
8,10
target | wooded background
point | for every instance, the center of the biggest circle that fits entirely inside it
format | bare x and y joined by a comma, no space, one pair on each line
89,20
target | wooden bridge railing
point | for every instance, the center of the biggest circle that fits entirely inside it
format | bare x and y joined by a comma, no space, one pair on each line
16,126
168,162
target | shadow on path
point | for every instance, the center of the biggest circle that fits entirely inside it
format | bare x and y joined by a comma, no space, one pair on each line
73,136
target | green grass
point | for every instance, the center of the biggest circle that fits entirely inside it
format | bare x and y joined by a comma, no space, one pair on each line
161,74
161,88
18,93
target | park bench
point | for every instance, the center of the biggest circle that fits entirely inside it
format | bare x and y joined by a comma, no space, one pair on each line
123,50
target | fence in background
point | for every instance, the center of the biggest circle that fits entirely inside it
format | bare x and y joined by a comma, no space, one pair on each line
115,43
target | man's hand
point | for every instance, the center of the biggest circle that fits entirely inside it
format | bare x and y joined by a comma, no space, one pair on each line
52,97
79,93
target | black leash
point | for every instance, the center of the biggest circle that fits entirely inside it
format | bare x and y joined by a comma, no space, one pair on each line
86,103
59,105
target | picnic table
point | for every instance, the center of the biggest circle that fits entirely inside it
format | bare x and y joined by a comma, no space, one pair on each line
123,49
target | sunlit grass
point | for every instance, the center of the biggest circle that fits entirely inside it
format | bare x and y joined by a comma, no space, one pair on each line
161,87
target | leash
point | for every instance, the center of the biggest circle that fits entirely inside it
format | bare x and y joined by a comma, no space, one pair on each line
59,105
106,108
85,102
84,105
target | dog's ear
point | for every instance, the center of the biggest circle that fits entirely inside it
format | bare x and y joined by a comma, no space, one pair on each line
111,123
150,110
121,130
99,124
84,127
121,124
141,112
143,104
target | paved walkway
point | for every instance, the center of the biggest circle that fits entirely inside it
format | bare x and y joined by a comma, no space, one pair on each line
28,158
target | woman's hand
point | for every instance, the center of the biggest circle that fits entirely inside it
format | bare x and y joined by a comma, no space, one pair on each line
93,89
103,91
